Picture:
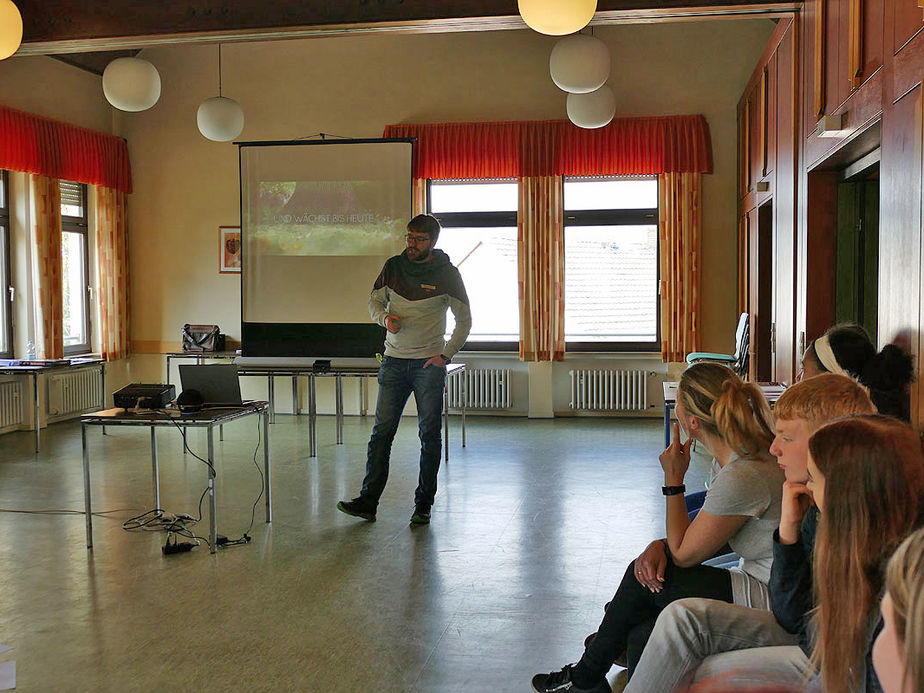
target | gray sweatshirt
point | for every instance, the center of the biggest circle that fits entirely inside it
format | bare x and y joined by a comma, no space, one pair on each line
419,293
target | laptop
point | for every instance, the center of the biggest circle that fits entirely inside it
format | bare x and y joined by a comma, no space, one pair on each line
217,383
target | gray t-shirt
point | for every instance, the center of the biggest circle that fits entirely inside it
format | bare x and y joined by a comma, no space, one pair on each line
751,487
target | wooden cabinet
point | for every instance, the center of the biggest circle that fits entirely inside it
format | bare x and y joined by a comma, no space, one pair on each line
768,155
786,68
863,60
753,145
843,50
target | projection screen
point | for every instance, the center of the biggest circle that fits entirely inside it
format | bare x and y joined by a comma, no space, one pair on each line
318,220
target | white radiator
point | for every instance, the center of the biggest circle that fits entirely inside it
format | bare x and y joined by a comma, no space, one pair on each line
609,390
72,392
483,388
10,404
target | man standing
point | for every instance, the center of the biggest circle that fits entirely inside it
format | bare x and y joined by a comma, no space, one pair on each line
409,299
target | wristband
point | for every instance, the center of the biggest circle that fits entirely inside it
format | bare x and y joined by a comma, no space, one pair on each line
445,358
673,490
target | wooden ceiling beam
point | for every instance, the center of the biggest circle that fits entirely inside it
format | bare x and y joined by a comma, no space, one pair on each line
64,26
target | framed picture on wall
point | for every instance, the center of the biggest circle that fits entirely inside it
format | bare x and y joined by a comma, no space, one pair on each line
229,252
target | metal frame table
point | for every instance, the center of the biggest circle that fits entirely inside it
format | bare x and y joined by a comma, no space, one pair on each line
36,371
200,357
339,373
208,418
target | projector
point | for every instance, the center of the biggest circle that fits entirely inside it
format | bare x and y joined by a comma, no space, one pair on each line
144,396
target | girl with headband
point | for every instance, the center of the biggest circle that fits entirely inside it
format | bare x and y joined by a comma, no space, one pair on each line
848,350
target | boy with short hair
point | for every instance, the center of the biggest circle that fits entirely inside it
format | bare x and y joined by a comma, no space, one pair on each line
690,630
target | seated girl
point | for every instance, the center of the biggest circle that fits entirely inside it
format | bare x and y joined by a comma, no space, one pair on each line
866,475
898,654
867,479
742,508
848,350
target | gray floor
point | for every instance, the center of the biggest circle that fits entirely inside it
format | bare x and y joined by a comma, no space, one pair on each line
533,526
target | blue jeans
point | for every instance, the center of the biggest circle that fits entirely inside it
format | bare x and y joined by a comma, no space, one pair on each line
398,378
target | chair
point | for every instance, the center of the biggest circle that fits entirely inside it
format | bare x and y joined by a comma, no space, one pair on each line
738,361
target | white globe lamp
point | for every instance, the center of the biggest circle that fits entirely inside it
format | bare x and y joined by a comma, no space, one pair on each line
579,64
592,110
220,119
131,84
557,17
10,28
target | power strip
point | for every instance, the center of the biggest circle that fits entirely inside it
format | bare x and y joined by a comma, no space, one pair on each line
177,547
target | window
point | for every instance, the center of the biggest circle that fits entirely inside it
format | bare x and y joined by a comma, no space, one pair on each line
479,220
6,280
75,269
611,264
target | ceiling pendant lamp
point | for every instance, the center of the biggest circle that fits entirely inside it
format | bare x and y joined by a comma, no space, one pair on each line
131,84
579,64
557,17
10,28
593,110
219,118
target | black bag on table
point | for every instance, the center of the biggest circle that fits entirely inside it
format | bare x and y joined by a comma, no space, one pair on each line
198,338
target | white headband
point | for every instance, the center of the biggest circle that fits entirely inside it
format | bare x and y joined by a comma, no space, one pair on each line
826,356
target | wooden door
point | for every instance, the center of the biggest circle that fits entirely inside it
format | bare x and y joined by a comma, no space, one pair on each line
760,291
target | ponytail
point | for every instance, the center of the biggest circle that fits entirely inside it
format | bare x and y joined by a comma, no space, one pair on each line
735,411
743,418
887,375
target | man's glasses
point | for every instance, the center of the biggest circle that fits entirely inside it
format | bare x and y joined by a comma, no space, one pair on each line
417,240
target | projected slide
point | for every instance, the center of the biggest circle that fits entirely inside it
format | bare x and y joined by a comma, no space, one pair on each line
325,218
318,220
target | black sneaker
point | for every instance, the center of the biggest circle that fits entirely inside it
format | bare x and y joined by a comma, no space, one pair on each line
357,508
421,515
560,681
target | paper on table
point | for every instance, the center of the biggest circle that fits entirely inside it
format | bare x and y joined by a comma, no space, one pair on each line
7,676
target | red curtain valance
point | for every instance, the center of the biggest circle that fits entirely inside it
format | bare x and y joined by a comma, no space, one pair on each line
627,146
55,149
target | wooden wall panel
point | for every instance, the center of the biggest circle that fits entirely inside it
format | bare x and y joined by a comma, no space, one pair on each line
743,148
811,42
821,202
907,20
756,137
836,81
871,38
863,107
742,302
900,228
769,88
908,65
787,114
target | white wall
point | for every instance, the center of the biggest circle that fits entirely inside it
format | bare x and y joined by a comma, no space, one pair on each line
186,186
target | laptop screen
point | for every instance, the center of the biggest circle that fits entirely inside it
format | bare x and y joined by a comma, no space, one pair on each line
217,383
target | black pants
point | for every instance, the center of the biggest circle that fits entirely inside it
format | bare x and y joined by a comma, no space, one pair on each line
634,605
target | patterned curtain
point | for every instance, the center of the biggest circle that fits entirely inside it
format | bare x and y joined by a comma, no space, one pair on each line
59,150
112,253
419,194
49,314
627,146
680,226
541,269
